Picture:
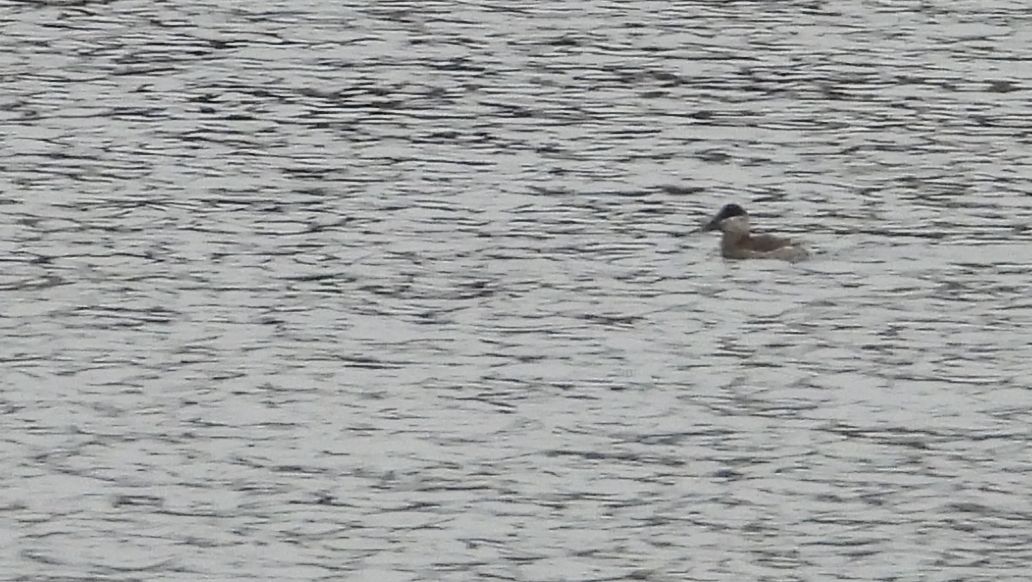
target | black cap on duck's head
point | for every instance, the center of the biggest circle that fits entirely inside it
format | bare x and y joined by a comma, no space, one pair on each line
728,211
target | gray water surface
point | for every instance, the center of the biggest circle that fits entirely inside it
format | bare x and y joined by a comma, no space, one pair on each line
398,291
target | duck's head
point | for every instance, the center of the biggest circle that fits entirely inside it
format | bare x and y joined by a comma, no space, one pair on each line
729,214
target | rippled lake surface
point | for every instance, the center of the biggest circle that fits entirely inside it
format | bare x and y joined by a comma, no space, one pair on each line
398,291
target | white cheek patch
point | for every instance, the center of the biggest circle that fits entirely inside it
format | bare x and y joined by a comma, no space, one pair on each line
736,225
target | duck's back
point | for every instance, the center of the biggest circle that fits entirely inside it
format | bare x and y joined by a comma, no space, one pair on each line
792,252
767,242
761,246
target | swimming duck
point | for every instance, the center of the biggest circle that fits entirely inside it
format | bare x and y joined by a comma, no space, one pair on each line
738,243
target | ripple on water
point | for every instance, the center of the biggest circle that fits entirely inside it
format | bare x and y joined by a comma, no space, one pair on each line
414,291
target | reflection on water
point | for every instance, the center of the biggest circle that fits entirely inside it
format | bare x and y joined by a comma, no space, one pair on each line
415,292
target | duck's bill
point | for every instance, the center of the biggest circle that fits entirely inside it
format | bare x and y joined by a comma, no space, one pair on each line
711,225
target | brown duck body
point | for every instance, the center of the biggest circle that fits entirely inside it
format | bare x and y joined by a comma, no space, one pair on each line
739,243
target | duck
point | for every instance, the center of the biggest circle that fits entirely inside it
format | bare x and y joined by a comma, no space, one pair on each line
739,243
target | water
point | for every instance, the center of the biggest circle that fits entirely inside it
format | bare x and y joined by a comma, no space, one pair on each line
410,291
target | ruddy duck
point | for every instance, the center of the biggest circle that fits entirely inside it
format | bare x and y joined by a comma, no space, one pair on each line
738,243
